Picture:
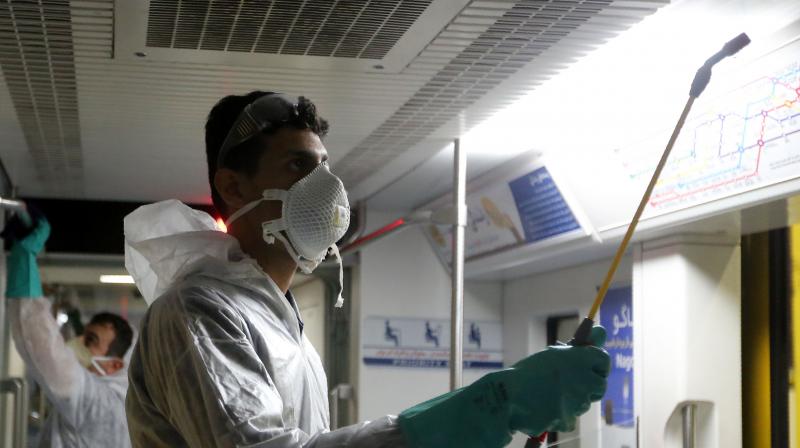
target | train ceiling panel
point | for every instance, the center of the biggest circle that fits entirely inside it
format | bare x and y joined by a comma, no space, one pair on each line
39,44
344,35
107,100
362,29
503,39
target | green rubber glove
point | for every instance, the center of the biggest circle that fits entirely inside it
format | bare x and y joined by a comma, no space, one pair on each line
22,269
546,391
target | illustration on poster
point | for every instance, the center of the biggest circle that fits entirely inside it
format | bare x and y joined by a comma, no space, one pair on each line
432,334
392,334
475,218
475,334
500,219
423,343
437,235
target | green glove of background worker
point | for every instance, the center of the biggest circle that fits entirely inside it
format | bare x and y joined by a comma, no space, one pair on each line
21,267
546,391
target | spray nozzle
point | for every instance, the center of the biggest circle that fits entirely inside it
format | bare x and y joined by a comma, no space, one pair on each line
734,45
703,74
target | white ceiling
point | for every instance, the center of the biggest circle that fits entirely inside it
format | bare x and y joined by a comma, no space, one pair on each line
139,128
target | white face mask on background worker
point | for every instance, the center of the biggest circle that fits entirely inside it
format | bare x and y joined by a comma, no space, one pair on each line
88,357
81,351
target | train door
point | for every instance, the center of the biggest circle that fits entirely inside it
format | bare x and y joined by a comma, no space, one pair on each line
770,337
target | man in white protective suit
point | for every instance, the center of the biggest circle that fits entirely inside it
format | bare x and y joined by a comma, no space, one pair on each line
222,358
84,380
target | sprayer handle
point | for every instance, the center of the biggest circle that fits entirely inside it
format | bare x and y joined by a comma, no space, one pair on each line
583,333
536,442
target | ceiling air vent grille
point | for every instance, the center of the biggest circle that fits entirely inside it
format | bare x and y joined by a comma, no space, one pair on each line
364,29
519,33
38,63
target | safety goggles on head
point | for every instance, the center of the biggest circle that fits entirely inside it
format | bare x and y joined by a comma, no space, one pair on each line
258,116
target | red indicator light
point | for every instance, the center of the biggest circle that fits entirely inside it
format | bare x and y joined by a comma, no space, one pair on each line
221,225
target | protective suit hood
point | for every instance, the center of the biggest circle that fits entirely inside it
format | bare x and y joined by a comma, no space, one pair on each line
222,358
168,240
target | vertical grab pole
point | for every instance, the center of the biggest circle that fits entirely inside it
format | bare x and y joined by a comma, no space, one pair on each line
689,425
457,279
19,388
333,403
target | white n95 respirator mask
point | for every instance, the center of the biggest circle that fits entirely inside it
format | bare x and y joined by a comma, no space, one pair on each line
315,213
81,351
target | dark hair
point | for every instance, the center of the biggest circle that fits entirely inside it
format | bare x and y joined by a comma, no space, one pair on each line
123,334
244,158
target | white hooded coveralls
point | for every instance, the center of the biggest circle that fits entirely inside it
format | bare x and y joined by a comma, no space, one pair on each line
88,409
221,359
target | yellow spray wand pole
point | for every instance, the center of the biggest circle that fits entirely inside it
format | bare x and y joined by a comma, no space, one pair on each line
623,246
701,79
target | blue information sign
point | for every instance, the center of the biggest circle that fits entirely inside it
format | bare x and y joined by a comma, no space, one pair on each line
410,342
509,213
616,315
543,212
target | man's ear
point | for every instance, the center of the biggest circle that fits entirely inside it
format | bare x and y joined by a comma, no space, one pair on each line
229,186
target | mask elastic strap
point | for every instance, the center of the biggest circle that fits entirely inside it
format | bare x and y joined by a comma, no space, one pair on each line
268,195
271,229
238,214
97,365
302,264
339,299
